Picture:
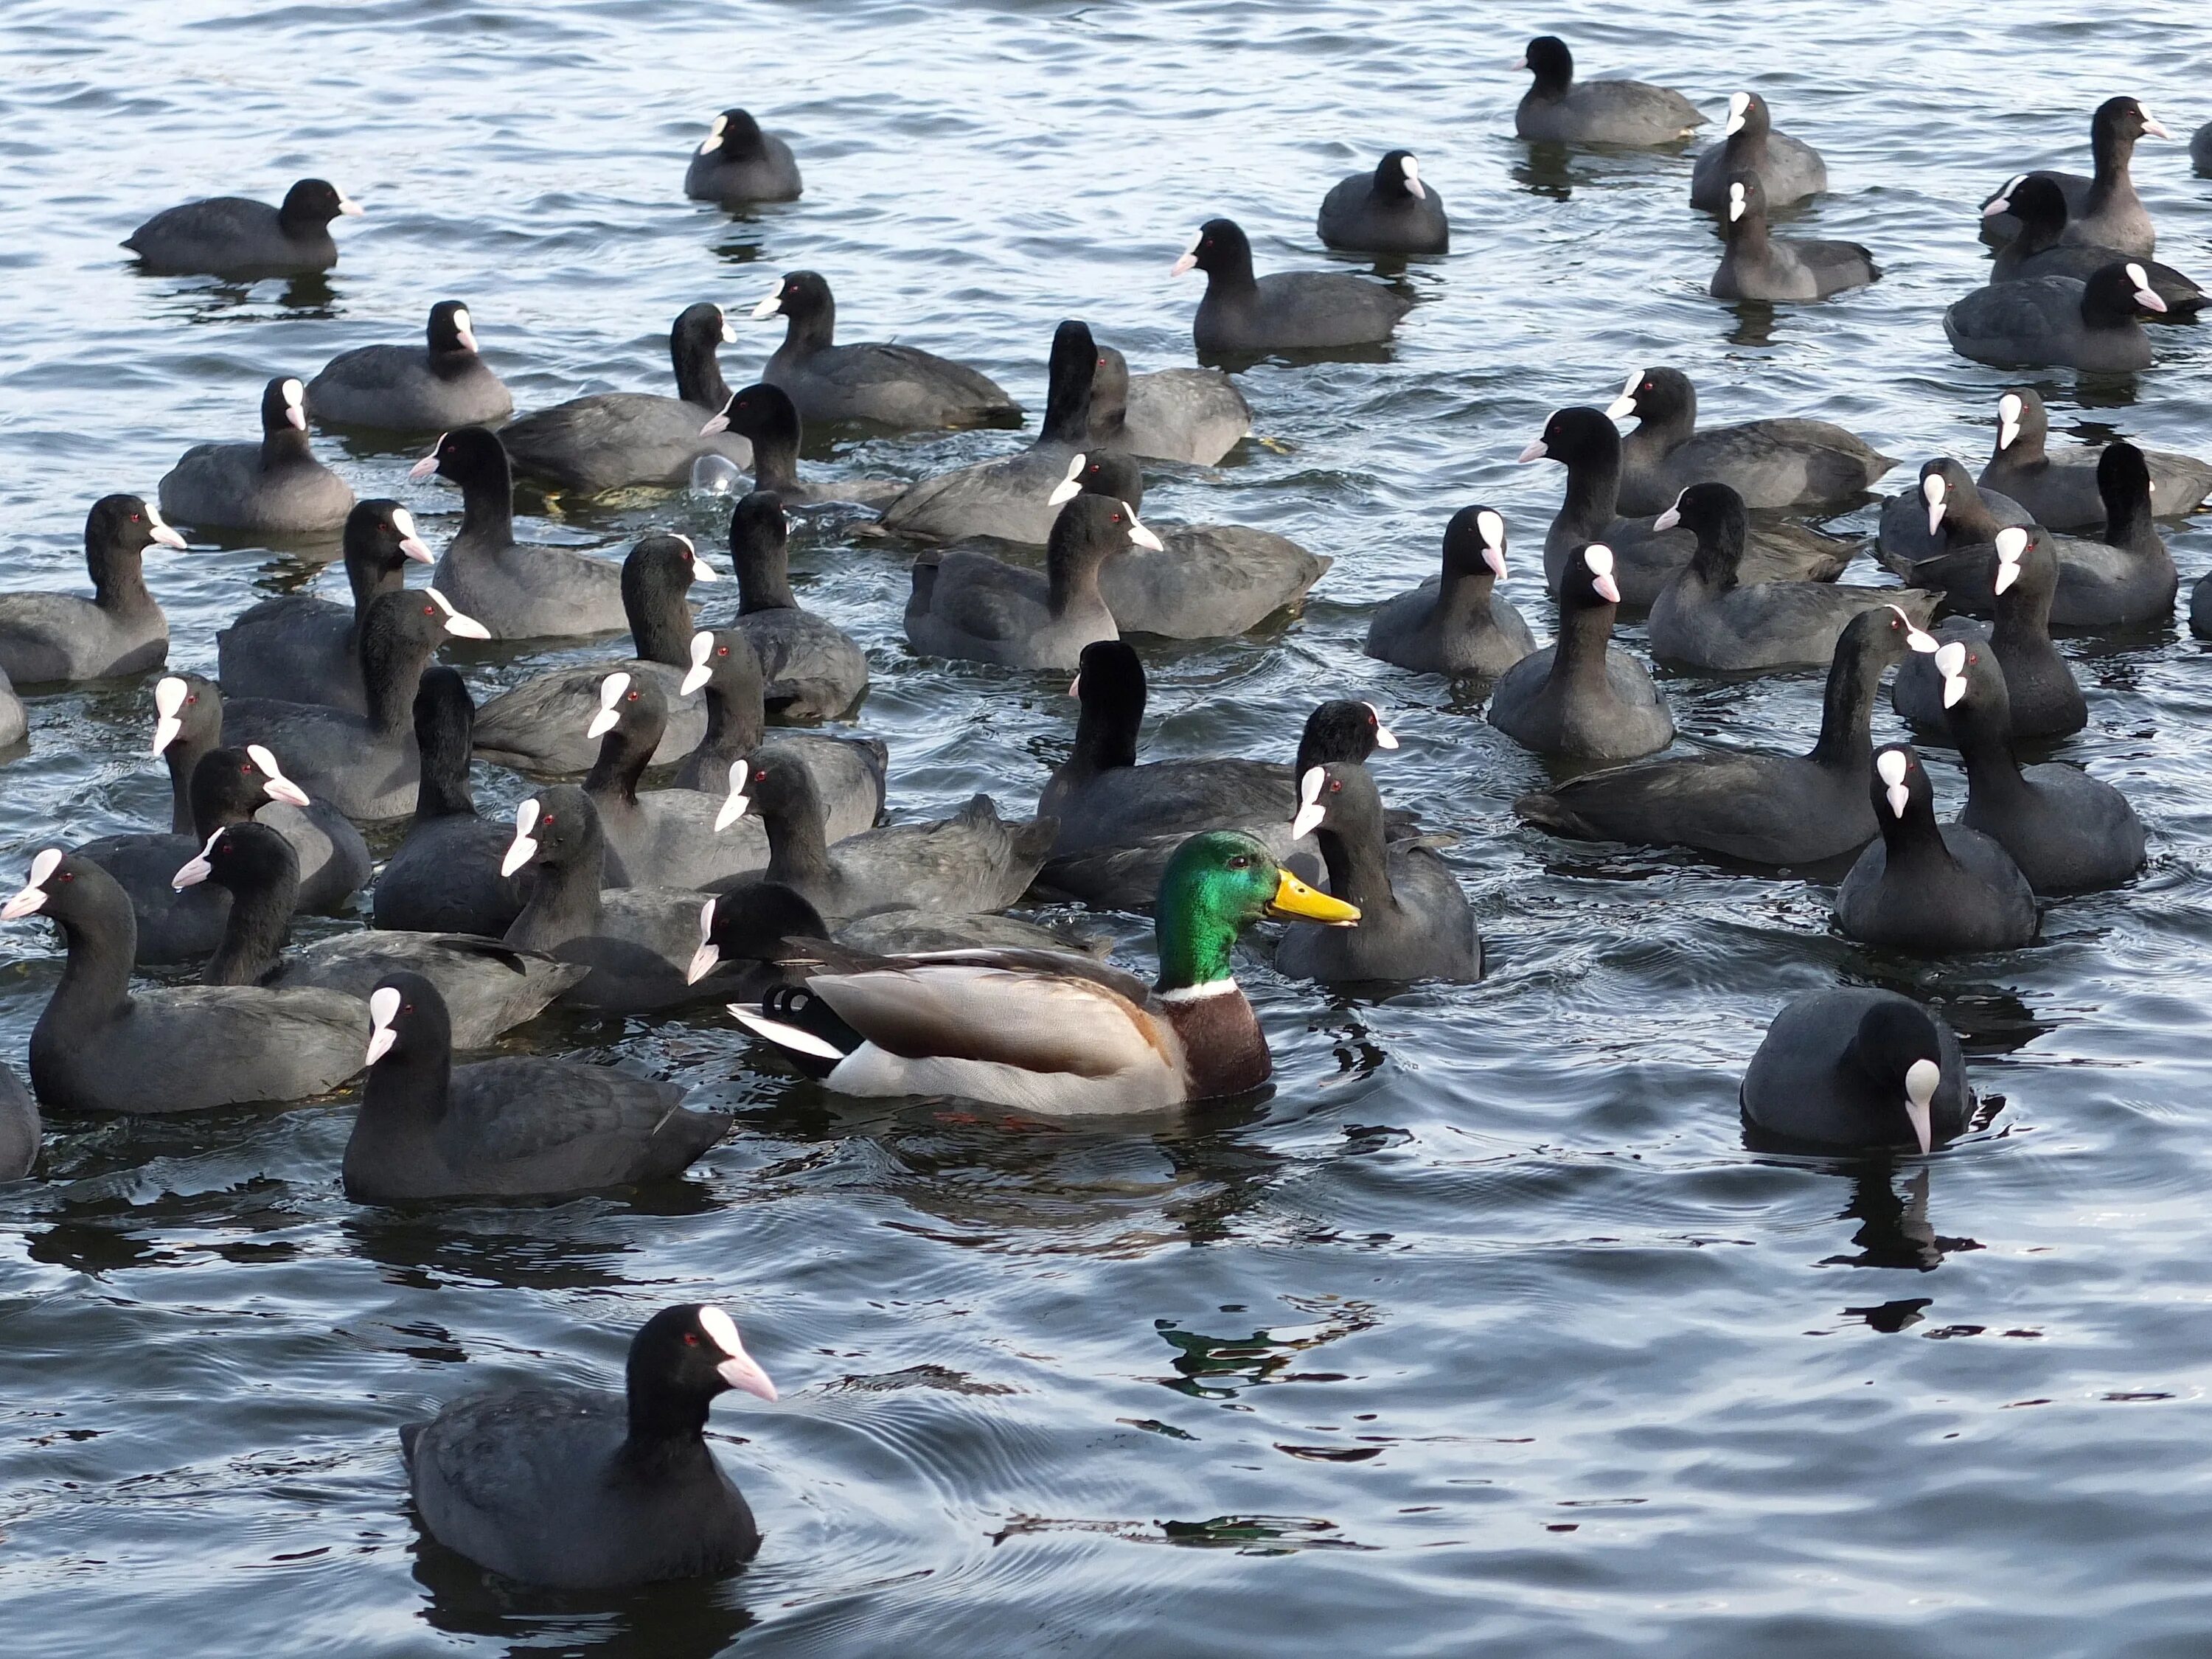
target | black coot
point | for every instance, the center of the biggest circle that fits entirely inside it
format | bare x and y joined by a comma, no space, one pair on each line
737,162
275,487
444,876
899,386
404,388
235,236
1932,889
1855,1071
1389,210
1289,311
119,630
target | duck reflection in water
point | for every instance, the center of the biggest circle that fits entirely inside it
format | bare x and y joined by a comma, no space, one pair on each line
1894,1231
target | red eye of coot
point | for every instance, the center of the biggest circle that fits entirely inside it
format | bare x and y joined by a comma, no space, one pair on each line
1335,788
247,768
134,518
722,651
691,1340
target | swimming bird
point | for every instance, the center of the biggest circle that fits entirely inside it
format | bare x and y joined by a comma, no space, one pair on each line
444,877
1946,512
119,630
2042,249
1415,920
612,440
303,649
2045,699
1204,581
236,236
662,837
1754,808
2059,321
1756,265
972,606
737,163
765,417
897,387
1287,311
1010,498
275,487
581,1490
1705,618
1191,415
365,765
487,987
1856,1070
2068,832
1645,557
21,1131
521,592
1561,110
1391,210
1787,463
2103,207
725,671
538,725
99,1047
1933,890
427,388
1788,169
813,669
1578,696
2060,490
1456,622
1057,1034
636,941
970,863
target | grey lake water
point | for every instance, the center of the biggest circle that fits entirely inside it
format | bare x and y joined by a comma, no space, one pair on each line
1482,1332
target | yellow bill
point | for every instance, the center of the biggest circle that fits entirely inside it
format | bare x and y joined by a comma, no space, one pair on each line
1294,898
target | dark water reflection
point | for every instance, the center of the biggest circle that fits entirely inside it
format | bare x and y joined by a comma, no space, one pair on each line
1480,1328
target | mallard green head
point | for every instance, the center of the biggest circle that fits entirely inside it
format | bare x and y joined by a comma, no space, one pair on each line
1217,884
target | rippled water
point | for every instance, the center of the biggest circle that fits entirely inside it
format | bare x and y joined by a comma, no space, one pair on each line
1484,1332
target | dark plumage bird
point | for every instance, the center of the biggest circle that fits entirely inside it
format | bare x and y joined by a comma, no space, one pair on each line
1204,581
2059,321
1855,1071
576,1489
1645,557
1705,618
1772,464
1773,810
521,592
613,440
1011,498
1945,513
2068,832
517,1127
726,671
737,162
426,388
1579,697
1759,266
765,417
2061,491
813,669
1788,169
234,236
119,630
2046,698
365,765
445,877
486,986
1456,623
302,649
20,1130
637,941
99,1047
1288,311
1561,110
888,386
1191,415
1934,889
972,606
275,487
538,725
211,786
968,864
1414,921
2103,207
1389,210
2041,249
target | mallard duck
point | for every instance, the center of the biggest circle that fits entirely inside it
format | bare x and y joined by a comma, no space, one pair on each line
1057,1034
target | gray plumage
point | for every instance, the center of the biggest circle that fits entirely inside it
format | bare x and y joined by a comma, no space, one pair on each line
404,388
1288,311
1561,110
2102,207
890,385
970,606
44,637
1456,622
236,236
1935,891
517,592
811,668
1757,266
2054,322
2059,487
737,163
1787,463
275,487
1388,209
1788,169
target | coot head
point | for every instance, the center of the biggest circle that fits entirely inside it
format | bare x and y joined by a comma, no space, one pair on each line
688,1355
1398,177
1714,513
1899,1050
798,293
284,405
316,202
762,413
381,534
467,455
230,786
2123,479
1475,542
749,923
450,328
1657,397
2124,119
1342,729
1573,436
734,136
724,659
408,1018
1091,528
241,858
66,889
1587,583
1220,248
1548,59
557,828
1747,113
1110,473
126,524
630,702
1109,676
1901,792
188,707
1747,199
